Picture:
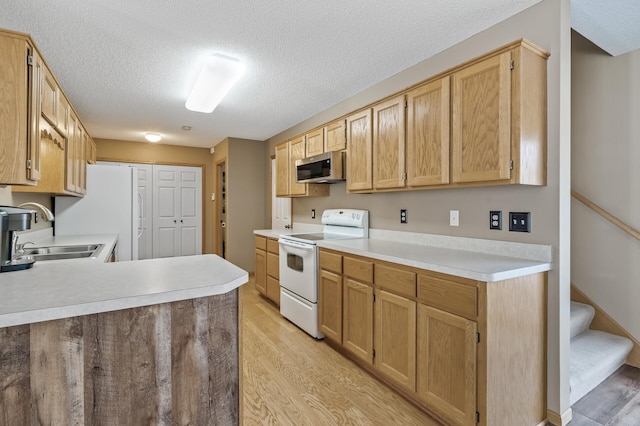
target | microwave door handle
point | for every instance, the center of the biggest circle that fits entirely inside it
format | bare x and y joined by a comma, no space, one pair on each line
297,245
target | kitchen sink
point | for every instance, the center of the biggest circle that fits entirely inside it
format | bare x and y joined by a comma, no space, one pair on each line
61,252
62,249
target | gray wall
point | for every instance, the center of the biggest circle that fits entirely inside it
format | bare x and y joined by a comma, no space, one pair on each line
605,156
245,199
547,25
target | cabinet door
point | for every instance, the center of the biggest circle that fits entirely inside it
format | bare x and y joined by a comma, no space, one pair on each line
481,127
359,151
282,170
315,142
395,338
388,143
335,136
273,289
428,134
81,162
261,271
357,331
330,305
36,71
70,156
296,152
62,115
446,364
49,97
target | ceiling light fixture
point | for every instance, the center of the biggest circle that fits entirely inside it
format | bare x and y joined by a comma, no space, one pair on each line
152,137
217,77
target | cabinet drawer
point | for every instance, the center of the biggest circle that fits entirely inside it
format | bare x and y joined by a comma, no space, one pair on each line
450,296
273,266
260,242
396,280
273,246
331,262
358,269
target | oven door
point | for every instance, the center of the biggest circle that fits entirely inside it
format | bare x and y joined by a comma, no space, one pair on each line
298,269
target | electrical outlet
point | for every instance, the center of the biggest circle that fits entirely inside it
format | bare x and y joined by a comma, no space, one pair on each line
495,219
403,215
454,218
313,213
520,221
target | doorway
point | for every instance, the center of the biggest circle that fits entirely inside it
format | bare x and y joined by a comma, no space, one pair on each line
221,213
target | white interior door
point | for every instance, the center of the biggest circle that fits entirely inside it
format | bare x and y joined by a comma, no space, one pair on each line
280,207
177,211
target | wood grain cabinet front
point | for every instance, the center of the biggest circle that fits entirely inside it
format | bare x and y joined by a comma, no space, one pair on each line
287,153
315,142
21,80
499,118
389,144
261,271
267,267
359,152
452,345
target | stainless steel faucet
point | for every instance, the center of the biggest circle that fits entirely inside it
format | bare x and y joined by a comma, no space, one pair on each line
46,214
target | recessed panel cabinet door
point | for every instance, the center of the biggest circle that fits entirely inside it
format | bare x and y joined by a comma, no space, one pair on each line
388,143
395,338
359,151
481,125
330,305
446,364
428,134
282,170
315,142
335,136
261,270
296,152
357,332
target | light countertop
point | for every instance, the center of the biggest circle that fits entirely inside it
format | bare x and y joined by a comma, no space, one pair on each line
61,289
467,264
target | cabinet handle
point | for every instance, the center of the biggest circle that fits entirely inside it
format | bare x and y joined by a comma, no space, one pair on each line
174,221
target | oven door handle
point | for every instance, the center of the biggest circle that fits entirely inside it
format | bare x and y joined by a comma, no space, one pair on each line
297,245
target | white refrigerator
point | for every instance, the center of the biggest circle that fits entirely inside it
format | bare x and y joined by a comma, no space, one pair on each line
110,206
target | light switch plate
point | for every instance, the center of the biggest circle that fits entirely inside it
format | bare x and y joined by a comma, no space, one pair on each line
520,221
454,218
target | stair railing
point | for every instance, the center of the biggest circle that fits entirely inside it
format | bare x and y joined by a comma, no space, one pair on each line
602,212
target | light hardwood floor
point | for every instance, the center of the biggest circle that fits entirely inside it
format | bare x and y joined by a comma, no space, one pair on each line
292,379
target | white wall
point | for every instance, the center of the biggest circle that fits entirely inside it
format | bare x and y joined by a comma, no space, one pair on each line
606,158
546,24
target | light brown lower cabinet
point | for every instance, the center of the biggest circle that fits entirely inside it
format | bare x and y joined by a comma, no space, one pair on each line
267,268
357,333
468,352
446,364
395,338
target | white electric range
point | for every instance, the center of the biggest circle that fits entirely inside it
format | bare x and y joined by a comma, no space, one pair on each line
299,265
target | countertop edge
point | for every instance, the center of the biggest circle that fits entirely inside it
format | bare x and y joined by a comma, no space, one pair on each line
506,274
69,311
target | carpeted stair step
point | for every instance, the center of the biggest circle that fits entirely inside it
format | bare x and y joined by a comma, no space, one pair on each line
581,316
595,355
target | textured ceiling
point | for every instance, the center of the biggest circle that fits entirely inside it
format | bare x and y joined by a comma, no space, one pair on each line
127,66
614,25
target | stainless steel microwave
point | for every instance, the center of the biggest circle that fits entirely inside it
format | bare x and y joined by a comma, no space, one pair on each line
321,168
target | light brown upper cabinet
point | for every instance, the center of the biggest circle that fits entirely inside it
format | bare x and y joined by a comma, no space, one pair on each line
20,79
315,142
335,136
428,124
296,152
282,170
359,152
389,143
286,186
499,118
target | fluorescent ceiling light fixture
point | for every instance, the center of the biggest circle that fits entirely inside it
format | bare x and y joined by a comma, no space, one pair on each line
217,77
152,137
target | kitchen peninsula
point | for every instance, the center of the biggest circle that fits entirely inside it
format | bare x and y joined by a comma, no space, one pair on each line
144,342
